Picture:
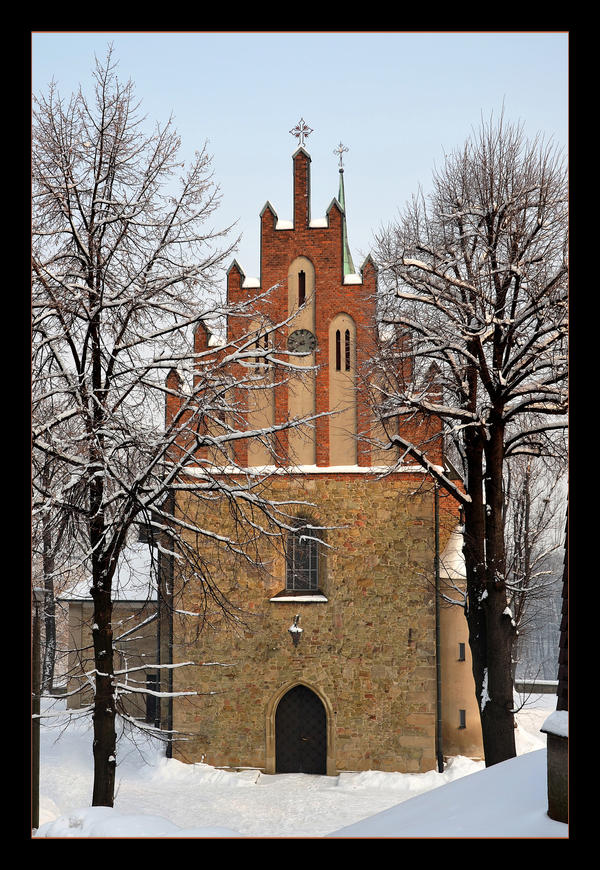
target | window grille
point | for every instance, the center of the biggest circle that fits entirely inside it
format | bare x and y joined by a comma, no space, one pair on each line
302,560
347,349
338,351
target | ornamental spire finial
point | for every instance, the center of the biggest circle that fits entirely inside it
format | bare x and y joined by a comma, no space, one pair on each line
340,152
301,131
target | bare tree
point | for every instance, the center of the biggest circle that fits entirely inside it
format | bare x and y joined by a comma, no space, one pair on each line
535,509
54,537
475,293
125,264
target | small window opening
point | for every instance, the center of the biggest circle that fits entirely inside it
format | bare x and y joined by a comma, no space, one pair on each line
261,360
301,288
338,351
151,700
347,349
463,718
461,652
146,534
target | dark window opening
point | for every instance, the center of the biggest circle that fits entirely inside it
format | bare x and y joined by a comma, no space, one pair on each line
461,652
301,288
347,349
146,533
463,718
261,360
302,560
151,700
338,351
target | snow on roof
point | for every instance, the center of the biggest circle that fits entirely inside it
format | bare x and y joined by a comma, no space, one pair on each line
282,224
134,580
557,723
216,340
251,282
353,278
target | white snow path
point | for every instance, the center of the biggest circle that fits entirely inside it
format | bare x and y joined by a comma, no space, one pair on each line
198,796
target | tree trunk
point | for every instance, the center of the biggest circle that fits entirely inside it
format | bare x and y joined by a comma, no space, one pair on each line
496,698
490,628
49,608
105,754
104,701
49,604
497,705
50,637
474,553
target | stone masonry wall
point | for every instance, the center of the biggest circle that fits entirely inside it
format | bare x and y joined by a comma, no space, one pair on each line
369,650
133,649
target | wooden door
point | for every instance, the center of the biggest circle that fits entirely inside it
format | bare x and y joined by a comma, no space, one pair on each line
301,733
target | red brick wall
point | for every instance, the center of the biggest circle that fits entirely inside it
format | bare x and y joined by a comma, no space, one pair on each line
324,247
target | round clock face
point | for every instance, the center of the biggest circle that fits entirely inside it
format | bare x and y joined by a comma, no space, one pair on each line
301,341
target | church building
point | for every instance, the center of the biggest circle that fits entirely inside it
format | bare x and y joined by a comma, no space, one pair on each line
340,655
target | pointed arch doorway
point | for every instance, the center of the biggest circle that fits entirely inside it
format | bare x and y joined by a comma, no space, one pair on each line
300,732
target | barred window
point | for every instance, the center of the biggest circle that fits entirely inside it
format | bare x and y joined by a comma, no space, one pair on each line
347,350
302,559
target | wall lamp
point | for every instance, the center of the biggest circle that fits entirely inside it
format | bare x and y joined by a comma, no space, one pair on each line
295,630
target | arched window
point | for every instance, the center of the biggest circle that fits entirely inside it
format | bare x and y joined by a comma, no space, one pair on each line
301,288
343,425
344,352
302,558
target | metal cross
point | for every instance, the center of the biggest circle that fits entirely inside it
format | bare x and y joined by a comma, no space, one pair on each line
301,131
340,151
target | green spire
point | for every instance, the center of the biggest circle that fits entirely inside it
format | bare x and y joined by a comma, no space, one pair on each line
348,264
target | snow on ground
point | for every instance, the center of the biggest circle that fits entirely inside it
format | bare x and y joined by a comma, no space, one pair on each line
160,797
507,800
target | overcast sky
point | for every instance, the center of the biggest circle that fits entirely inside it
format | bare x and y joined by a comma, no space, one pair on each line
397,101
